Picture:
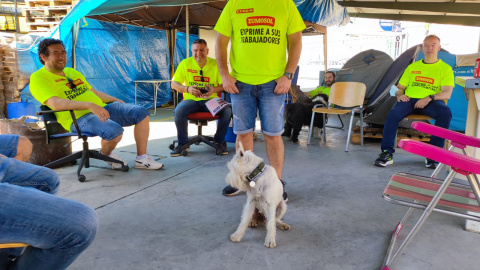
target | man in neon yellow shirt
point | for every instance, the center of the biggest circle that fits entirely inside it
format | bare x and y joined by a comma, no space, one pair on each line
193,75
329,80
62,88
261,73
423,88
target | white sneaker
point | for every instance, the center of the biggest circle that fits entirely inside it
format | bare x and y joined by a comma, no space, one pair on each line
147,163
116,166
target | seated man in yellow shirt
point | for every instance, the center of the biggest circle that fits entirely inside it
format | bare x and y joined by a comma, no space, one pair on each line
423,89
328,81
194,75
63,88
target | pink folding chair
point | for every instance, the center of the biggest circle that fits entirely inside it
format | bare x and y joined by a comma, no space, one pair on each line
427,193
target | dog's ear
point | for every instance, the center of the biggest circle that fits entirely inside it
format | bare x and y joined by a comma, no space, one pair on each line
240,150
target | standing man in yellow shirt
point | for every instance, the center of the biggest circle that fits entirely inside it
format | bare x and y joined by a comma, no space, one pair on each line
261,73
193,75
423,88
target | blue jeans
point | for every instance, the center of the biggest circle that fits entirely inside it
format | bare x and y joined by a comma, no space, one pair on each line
437,110
121,115
260,97
9,145
188,106
57,230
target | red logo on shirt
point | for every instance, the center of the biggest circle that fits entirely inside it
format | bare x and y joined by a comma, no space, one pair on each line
77,82
192,71
245,10
199,79
416,72
424,79
260,20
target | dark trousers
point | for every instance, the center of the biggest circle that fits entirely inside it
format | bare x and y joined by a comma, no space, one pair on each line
437,110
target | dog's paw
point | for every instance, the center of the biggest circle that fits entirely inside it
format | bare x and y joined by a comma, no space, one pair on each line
253,223
283,226
270,243
236,237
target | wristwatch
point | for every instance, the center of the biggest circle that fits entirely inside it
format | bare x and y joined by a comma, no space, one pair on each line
288,75
432,97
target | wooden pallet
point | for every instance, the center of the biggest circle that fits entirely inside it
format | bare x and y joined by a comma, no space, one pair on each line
377,133
45,15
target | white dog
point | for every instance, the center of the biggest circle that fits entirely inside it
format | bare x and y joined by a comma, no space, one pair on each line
264,192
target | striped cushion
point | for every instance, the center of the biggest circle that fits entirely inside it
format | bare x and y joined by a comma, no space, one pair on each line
423,188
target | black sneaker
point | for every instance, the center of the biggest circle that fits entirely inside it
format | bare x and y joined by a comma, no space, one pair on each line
177,151
285,196
230,191
430,163
223,147
384,159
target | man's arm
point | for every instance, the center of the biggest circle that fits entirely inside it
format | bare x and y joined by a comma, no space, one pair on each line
444,94
105,97
221,46
294,51
400,94
59,104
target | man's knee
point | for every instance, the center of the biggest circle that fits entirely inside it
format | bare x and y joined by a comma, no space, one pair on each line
24,149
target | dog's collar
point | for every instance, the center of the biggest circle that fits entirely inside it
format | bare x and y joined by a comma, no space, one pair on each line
253,177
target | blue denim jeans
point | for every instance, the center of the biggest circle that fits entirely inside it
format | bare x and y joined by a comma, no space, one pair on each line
261,98
121,115
188,106
57,230
9,145
437,110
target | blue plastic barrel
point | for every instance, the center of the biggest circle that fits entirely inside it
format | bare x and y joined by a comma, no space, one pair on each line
18,109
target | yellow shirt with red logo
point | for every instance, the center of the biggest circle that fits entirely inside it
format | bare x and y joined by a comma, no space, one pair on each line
423,79
188,74
258,32
44,85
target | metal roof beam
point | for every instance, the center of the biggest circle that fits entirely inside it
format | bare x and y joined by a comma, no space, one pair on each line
459,20
445,7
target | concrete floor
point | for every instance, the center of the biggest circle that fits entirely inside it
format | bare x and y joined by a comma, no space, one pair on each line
177,218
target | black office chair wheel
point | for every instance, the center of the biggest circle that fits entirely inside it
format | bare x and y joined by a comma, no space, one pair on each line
125,168
172,146
218,151
197,143
184,153
81,178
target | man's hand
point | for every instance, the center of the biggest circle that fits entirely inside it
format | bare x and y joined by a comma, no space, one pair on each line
403,98
283,85
194,91
421,103
209,93
229,84
2,156
100,112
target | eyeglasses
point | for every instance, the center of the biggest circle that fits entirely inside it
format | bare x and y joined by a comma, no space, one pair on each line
72,84
201,74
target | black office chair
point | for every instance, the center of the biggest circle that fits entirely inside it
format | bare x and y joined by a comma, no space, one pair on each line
52,133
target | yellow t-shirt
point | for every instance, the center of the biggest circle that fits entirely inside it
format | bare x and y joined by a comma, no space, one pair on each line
44,85
258,32
188,74
320,90
423,79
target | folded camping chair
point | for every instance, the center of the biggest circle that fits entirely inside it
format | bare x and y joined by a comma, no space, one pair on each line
436,194
200,119
347,95
49,118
